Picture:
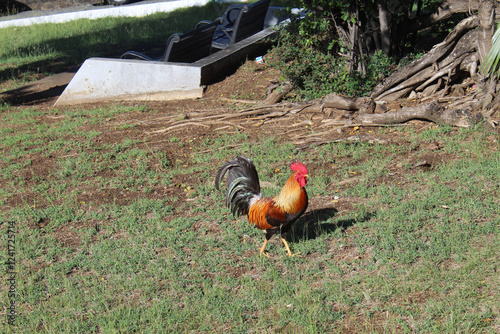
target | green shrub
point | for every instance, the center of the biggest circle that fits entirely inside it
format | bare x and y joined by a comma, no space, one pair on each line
310,60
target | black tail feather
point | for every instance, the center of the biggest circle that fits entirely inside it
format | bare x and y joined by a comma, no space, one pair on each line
243,184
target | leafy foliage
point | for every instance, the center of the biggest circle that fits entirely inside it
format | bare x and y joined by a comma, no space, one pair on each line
315,69
491,63
337,46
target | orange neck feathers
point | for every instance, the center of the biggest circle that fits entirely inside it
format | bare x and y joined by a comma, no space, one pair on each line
290,197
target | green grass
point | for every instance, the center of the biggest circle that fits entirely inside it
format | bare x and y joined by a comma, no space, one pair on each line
417,254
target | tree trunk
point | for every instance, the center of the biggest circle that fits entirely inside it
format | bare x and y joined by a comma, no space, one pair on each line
486,15
385,26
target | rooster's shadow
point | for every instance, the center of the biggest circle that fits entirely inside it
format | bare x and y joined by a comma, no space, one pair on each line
315,223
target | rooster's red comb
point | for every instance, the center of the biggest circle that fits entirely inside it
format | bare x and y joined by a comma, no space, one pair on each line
299,167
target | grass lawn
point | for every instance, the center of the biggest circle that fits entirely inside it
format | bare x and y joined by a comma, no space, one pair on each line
110,221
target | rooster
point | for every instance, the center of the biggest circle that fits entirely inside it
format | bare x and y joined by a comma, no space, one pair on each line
272,214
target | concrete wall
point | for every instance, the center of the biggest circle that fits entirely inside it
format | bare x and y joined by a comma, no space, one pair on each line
104,79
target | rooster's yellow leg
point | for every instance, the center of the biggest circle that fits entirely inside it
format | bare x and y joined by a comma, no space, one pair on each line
262,249
288,248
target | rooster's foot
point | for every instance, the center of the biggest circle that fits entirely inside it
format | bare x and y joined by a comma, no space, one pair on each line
289,252
296,254
266,254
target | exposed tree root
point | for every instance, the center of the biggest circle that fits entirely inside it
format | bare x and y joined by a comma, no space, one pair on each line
442,61
431,111
362,104
353,117
276,94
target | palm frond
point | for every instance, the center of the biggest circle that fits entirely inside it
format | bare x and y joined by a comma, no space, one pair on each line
491,63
